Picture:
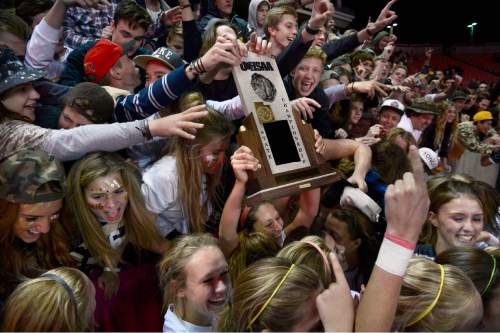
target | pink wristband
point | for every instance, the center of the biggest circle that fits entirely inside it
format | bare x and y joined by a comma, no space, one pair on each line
399,241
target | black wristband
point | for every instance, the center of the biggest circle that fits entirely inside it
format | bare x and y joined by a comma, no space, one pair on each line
311,31
146,133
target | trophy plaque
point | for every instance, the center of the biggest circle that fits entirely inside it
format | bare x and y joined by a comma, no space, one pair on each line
278,137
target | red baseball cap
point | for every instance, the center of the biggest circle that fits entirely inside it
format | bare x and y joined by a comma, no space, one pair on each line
100,58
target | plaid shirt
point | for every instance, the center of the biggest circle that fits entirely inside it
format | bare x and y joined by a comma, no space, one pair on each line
83,25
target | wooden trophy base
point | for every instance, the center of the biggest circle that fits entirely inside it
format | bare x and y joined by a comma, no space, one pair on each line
263,185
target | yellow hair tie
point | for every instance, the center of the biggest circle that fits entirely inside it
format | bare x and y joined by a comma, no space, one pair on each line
271,297
493,271
433,304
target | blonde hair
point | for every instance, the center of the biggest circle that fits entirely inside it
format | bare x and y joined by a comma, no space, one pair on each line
274,15
441,122
190,168
44,304
253,289
174,30
421,286
304,252
171,267
139,222
316,52
434,182
252,247
481,267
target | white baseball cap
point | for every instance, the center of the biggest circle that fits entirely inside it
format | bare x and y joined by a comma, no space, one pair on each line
429,157
393,103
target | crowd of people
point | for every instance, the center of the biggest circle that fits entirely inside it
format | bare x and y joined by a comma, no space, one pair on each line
122,186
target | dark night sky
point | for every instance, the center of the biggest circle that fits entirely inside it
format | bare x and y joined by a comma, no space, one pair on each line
435,21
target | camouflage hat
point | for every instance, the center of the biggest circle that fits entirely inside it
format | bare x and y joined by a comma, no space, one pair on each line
91,101
421,105
459,95
31,176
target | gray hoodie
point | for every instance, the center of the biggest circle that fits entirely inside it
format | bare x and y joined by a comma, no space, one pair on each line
252,17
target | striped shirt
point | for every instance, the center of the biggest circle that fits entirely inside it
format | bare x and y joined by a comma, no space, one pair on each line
153,98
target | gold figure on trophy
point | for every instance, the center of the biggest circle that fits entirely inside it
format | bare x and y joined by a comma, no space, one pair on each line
264,112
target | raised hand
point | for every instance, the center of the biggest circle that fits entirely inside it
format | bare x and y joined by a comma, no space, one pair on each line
335,304
388,51
171,16
243,160
398,88
227,50
259,45
428,53
386,16
322,10
306,106
375,131
370,87
180,124
407,202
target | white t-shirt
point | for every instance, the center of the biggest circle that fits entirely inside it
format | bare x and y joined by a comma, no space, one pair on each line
154,14
173,323
405,123
160,191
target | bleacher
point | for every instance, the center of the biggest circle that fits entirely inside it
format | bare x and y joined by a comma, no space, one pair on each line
476,66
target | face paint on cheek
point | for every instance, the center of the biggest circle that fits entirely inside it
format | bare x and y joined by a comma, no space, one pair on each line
214,162
96,205
209,160
215,281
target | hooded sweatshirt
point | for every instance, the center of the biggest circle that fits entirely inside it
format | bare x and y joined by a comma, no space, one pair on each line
252,17
376,40
213,12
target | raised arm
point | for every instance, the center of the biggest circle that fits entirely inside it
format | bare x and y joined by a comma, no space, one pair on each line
308,209
406,208
71,38
241,161
232,109
42,44
73,143
385,17
290,57
162,92
192,36
336,149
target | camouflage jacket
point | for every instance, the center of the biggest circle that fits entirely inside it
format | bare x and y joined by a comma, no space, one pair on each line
16,135
470,139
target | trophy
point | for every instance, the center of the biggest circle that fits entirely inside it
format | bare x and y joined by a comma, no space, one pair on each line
276,134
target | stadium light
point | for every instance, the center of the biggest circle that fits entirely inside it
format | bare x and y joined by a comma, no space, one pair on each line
471,27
